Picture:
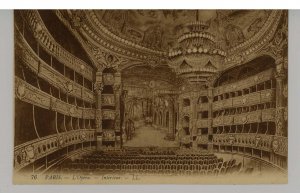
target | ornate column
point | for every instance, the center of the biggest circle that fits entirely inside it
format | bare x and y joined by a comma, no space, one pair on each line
123,115
210,118
193,119
280,106
117,93
98,87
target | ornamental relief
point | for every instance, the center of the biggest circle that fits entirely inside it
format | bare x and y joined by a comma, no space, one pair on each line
108,114
108,99
108,78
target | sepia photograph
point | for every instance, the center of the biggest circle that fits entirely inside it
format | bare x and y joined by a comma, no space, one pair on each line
150,96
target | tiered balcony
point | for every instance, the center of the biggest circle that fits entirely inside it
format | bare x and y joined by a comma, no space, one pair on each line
245,83
108,114
46,72
33,150
30,94
108,100
246,100
250,117
48,43
263,142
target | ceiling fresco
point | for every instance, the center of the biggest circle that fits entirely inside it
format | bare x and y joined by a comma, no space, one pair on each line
158,29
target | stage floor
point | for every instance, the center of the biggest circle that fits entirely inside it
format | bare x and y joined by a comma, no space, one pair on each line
150,136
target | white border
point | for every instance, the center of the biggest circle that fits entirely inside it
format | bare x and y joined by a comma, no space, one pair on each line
6,131
153,4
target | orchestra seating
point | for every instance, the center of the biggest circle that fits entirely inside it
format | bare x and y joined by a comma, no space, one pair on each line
102,162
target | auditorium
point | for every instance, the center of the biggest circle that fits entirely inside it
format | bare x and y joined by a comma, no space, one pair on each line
165,96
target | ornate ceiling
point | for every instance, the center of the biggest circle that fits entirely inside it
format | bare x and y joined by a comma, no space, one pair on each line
125,38
158,29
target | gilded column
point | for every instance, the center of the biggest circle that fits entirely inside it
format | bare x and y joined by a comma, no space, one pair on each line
194,117
98,87
280,77
210,118
117,93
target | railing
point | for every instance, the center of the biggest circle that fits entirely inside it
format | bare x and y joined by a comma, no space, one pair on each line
202,106
30,151
245,83
270,143
30,94
108,114
203,122
53,48
108,99
246,100
250,117
202,139
43,70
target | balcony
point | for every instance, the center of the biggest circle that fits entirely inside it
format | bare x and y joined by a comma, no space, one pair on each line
202,139
46,72
30,94
33,150
246,83
246,100
257,141
108,114
108,78
108,100
250,117
202,107
48,43
203,123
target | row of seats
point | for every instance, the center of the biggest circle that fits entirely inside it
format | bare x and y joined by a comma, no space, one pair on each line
115,162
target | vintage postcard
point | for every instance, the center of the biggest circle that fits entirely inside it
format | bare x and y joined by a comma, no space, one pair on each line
151,97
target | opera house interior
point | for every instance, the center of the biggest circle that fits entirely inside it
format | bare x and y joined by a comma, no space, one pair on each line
158,92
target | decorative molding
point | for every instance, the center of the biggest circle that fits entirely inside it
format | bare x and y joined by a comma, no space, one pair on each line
31,151
35,96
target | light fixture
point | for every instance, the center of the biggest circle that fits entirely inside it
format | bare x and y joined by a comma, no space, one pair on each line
196,55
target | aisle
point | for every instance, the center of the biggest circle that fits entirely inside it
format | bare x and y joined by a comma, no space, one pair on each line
146,136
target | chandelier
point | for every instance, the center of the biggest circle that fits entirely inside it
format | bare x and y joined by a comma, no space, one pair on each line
196,55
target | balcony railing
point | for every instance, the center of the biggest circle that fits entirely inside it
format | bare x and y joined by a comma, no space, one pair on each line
202,139
270,143
202,106
28,152
246,100
108,114
48,43
203,123
250,117
108,99
30,94
46,72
